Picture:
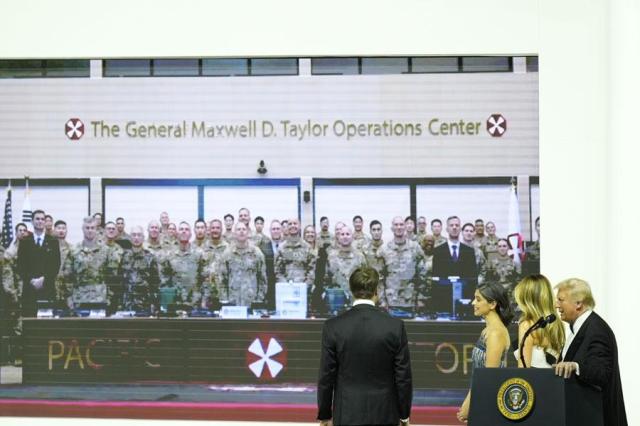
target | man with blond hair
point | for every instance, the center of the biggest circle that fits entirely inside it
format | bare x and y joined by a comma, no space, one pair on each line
590,352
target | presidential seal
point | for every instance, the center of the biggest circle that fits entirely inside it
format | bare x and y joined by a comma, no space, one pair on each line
515,399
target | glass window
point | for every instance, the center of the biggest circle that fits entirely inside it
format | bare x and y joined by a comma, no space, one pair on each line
279,66
532,64
486,64
127,68
225,67
21,68
176,67
334,66
67,68
434,65
385,65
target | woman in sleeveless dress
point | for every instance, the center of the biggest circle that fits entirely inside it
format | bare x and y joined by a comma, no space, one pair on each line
492,304
534,297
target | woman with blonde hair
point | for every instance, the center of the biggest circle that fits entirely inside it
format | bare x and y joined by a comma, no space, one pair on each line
542,347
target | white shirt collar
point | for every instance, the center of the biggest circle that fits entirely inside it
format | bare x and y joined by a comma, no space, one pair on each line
363,302
580,320
41,236
576,327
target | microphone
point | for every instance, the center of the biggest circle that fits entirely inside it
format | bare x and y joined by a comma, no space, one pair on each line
541,323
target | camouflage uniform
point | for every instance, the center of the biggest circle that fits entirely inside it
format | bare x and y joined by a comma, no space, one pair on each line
340,265
211,269
490,248
140,274
87,272
533,251
481,262
372,254
65,248
243,275
325,239
170,243
11,322
360,239
183,270
479,242
259,239
503,270
115,284
405,276
296,262
439,240
228,236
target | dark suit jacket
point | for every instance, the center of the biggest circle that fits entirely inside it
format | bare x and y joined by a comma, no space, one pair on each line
594,349
34,262
365,370
444,266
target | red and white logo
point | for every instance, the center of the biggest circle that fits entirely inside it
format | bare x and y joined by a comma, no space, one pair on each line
74,129
266,363
496,125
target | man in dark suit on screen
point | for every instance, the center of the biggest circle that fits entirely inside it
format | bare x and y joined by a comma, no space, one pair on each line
38,266
590,352
365,370
454,258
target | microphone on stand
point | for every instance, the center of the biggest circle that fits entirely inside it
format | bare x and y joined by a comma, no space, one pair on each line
541,323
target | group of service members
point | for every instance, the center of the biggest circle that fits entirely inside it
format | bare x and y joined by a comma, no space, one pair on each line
232,262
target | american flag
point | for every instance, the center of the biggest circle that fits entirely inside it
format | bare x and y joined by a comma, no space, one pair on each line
7,223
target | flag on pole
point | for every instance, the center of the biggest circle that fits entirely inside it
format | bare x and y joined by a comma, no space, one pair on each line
7,223
516,241
26,205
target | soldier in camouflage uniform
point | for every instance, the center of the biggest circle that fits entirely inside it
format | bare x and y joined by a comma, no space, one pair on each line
213,257
140,276
258,238
533,249
97,217
170,238
422,229
410,226
436,229
87,270
164,224
372,253
502,269
295,260
122,234
243,271
427,244
325,239
114,280
360,239
60,232
480,238
228,227
342,261
154,241
468,238
406,270
309,237
200,240
490,247
183,271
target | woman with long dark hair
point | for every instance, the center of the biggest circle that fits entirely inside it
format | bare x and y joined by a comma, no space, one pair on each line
491,302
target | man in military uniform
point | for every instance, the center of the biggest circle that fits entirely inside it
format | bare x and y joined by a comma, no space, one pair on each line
213,257
372,253
99,227
164,222
468,238
154,242
491,242
410,226
295,260
325,239
182,272
406,270
228,227
360,239
48,225
60,232
342,261
480,238
532,260
436,229
120,225
243,271
422,229
140,276
88,269
114,281
502,268
258,238
200,241
170,238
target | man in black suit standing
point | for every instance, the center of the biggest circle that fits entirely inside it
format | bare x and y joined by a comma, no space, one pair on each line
365,370
38,266
454,258
590,351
